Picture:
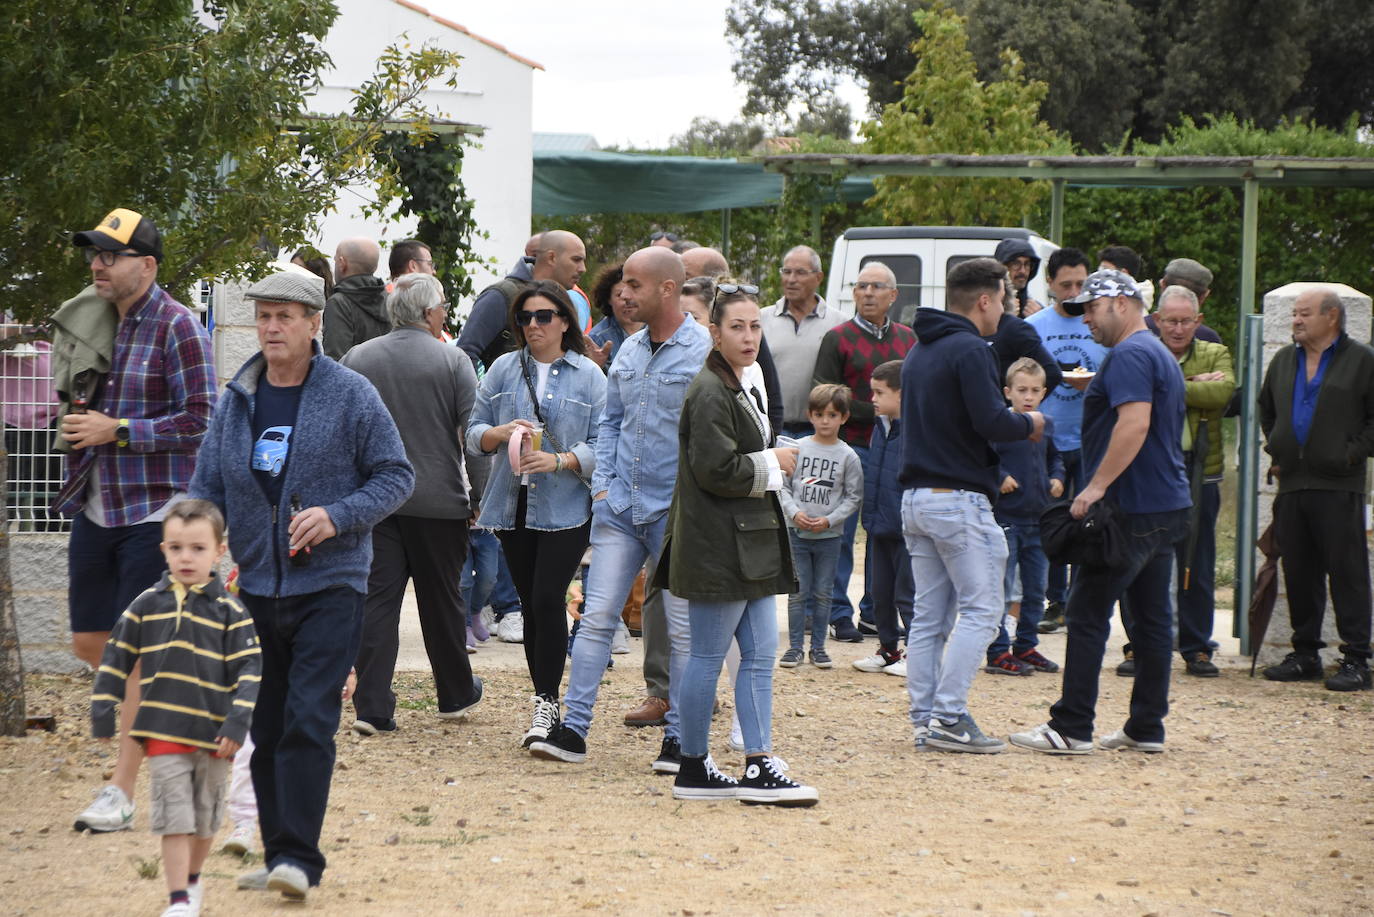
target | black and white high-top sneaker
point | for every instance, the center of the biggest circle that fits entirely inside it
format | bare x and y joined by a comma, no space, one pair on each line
546,716
698,778
765,782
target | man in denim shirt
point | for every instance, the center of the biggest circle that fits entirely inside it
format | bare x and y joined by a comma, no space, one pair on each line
636,467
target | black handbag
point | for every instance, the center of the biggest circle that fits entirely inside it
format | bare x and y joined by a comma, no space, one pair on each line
1096,540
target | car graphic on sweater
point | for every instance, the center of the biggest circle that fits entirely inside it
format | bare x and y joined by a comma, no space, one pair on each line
269,452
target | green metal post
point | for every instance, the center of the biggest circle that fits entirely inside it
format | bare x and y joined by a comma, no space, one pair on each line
725,233
1249,242
1057,211
1250,363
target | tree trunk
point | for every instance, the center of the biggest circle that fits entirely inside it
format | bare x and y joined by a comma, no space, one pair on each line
12,712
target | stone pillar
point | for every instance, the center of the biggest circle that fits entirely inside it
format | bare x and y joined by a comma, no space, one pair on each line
1278,333
236,333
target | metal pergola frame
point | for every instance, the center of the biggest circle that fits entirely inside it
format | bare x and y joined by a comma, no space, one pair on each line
1247,173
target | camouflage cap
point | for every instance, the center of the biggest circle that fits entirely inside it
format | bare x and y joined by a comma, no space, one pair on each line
1102,285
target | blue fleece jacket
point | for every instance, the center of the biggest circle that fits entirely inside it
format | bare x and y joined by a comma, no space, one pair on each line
882,493
346,456
952,407
1031,465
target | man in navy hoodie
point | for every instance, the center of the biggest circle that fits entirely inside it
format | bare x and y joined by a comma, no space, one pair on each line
952,408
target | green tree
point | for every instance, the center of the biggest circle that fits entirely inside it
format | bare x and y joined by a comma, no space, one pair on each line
946,109
198,118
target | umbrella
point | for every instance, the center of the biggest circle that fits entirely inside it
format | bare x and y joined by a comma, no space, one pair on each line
1196,475
1265,594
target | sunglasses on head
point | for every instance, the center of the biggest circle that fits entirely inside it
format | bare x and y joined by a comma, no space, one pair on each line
670,236
538,316
729,289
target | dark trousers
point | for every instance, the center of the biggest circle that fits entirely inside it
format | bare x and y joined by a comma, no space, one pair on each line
1197,603
107,569
432,552
891,587
1321,537
1057,586
654,629
542,564
1144,578
308,645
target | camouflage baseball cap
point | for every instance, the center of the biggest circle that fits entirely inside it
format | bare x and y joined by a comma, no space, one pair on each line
1102,285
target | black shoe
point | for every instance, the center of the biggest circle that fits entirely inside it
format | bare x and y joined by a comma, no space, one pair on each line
1053,619
845,631
765,783
669,760
699,779
460,713
1353,675
868,628
365,727
563,744
1127,667
1201,665
1295,667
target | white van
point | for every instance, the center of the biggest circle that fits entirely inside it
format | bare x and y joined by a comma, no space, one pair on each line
921,256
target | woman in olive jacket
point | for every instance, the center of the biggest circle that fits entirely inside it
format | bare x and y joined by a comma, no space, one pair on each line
726,551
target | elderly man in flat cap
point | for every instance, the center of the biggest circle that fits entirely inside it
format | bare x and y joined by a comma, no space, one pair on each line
304,459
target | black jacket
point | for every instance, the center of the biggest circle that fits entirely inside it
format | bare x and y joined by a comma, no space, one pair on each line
1342,434
1016,338
355,312
952,407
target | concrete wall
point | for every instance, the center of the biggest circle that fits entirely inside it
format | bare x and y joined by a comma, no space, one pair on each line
1278,320
38,570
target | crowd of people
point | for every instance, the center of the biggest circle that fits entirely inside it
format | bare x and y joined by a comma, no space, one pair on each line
708,453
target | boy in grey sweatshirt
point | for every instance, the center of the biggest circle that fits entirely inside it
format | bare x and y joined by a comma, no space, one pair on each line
825,489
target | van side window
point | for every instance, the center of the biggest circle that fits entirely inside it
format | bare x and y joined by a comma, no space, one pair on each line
908,271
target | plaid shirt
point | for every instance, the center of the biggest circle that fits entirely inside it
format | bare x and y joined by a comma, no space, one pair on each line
162,379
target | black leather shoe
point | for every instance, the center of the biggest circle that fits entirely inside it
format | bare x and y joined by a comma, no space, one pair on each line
1353,675
1295,667
1201,665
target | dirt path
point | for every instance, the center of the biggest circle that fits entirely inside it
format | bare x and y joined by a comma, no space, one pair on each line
1264,804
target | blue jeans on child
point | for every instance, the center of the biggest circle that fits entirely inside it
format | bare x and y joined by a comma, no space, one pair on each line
754,623
814,560
486,579
1024,552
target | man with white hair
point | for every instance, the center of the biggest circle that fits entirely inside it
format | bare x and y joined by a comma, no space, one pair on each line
429,388
303,459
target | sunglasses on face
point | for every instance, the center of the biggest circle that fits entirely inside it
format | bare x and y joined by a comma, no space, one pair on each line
538,316
670,236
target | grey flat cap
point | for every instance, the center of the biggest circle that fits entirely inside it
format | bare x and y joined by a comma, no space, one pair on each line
289,286
1189,271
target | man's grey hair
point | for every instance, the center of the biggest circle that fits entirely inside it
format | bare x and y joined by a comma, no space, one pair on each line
411,296
887,271
806,250
1330,300
1178,291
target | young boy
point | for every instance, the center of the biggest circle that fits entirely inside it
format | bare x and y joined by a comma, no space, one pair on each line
889,565
824,490
1032,475
200,673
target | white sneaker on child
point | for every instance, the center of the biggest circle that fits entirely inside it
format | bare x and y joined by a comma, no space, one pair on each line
240,841
196,891
736,734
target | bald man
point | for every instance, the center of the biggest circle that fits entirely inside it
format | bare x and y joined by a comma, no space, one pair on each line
636,469
559,256
707,262
356,310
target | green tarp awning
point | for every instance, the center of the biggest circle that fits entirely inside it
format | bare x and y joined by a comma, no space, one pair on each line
568,183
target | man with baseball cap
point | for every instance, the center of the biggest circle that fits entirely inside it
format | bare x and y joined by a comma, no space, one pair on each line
131,435
303,459
1133,413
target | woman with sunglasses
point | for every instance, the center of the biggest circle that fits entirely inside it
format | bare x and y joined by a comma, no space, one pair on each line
540,509
726,552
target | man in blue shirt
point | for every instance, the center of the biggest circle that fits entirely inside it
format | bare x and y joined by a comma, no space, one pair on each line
1133,414
636,470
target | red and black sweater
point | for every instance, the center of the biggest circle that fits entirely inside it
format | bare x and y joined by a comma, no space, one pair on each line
849,353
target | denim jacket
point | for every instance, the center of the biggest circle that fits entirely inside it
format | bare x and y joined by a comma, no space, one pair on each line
573,400
636,449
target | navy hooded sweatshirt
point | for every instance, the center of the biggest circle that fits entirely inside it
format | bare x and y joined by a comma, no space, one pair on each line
952,408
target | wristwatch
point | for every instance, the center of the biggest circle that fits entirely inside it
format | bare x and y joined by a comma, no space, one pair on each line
122,433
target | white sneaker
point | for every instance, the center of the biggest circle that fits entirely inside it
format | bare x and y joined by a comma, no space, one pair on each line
111,811
255,881
511,628
290,881
240,841
736,734
620,640
180,909
1119,740
196,891
1050,741
897,668
546,716
488,617
871,664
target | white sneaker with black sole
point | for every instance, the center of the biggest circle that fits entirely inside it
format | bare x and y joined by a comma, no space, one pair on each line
111,811
698,778
962,735
1119,741
765,783
1050,741
546,716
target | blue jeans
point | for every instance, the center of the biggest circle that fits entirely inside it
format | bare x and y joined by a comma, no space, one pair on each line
486,578
1057,587
840,607
619,550
1023,553
958,559
754,623
308,645
814,560
1144,580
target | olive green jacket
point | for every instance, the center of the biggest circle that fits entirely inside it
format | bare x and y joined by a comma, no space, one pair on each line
726,539
1207,400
